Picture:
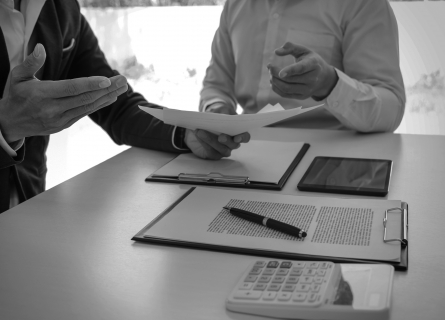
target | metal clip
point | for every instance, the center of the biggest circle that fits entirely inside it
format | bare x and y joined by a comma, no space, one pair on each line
213,177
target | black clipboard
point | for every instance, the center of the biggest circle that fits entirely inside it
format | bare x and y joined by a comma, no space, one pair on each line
222,180
400,266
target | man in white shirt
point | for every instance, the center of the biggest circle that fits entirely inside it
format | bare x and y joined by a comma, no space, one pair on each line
340,53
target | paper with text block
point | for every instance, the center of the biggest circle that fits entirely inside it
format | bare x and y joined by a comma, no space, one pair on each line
336,227
222,123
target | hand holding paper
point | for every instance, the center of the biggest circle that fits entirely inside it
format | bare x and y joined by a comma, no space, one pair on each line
207,145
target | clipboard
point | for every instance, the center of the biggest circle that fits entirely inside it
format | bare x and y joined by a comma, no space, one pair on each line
225,179
400,266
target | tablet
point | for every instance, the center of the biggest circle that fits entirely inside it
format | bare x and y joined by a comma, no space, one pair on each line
368,177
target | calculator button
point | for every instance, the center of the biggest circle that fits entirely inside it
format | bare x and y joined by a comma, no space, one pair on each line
255,270
269,295
306,279
296,272
299,265
260,264
250,279
273,264
282,272
302,287
309,272
288,287
312,297
292,279
324,265
315,287
278,279
313,265
284,296
318,280
260,286
286,264
321,273
245,286
274,287
268,272
247,295
299,297
264,279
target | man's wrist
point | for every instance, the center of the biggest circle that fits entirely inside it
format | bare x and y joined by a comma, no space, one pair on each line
329,85
179,139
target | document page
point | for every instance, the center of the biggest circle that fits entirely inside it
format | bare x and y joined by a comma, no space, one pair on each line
261,161
337,227
223,123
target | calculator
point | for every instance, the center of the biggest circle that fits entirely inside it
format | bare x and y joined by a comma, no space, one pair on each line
313,290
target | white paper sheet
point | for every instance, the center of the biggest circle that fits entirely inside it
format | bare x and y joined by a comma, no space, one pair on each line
222,123
257,160
356,232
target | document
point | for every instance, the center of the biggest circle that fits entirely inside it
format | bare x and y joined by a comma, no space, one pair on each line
222,123
336,227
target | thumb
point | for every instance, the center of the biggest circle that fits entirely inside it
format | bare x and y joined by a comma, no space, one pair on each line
28,68
292,49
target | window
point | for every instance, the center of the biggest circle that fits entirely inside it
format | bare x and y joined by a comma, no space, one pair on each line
163,48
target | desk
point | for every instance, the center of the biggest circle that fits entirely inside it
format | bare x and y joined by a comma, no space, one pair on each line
67,254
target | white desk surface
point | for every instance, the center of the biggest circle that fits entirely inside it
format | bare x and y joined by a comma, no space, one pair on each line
67,254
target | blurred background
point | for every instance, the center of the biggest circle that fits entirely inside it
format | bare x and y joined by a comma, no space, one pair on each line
163,48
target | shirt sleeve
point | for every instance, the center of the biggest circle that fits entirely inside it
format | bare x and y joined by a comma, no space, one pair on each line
218,84
369,95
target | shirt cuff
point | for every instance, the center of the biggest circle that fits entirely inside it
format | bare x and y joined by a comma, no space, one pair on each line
178,136
212,101
343,94
10,150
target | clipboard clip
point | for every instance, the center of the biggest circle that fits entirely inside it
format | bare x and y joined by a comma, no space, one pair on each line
404,239
213,177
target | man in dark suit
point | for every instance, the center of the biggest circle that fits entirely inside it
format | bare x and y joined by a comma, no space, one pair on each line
75,81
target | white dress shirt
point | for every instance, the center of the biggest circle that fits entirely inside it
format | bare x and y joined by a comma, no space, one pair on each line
357,37
17,27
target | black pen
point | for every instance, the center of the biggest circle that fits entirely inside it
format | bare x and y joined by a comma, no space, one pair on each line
268,222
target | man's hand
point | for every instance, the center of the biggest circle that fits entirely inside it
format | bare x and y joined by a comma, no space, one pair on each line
309,76
207,145
35,107
220,107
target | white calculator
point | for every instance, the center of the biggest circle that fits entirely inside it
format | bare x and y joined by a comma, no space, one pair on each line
313,290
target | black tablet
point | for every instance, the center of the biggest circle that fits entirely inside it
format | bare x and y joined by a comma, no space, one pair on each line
368,177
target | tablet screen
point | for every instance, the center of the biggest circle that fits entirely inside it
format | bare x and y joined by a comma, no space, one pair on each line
347,174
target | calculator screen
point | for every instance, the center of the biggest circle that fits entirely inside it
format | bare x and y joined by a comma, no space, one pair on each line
353,287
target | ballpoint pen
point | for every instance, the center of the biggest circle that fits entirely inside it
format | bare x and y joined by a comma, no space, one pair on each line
268,222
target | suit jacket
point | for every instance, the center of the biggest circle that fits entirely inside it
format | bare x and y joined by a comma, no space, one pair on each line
59,22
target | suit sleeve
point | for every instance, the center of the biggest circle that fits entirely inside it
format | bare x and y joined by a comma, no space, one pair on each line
124,122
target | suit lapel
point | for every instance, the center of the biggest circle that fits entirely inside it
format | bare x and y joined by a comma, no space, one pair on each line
4,65
49,34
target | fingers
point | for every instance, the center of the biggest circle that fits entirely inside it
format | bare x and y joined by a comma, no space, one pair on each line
74,87
292,49
303,66
103,101
300,92
30,66
212,140
118,85
242,138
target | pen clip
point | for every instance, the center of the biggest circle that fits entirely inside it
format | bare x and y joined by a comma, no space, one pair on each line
213,177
